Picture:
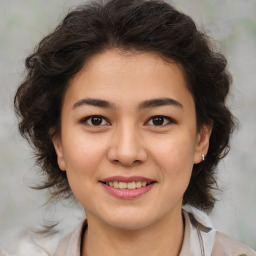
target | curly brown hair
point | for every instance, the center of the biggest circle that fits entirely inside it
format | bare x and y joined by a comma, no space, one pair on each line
141,25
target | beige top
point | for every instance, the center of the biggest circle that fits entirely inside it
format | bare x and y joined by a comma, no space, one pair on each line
199,240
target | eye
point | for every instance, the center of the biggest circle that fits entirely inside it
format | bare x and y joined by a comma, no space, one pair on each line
95,120
160,121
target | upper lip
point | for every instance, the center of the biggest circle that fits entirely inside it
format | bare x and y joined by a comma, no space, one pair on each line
127,179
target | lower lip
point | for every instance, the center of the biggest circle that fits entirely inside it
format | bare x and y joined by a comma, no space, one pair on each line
127,193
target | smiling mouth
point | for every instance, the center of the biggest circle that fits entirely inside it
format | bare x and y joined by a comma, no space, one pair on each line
128,185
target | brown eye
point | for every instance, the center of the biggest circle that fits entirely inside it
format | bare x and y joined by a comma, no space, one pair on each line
160,120
95,121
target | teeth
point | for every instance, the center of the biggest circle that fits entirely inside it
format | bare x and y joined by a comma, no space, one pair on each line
115,184
127,185
143,183
138,184
122,185
132,185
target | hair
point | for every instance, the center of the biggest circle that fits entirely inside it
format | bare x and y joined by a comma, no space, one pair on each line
128,25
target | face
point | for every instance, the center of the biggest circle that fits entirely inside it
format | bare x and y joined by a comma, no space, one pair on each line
128,138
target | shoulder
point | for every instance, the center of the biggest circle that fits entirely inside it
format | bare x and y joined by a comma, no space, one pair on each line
71,244
4,253
227,246
203,236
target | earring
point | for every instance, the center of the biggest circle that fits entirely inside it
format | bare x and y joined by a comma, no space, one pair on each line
203,157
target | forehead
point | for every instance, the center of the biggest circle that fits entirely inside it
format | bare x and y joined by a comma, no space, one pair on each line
129,75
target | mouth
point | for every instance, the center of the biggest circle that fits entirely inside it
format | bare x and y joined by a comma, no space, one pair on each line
128,185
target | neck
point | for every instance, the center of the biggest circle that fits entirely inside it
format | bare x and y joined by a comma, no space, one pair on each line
162,238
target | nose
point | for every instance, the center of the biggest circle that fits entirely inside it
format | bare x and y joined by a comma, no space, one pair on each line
127,147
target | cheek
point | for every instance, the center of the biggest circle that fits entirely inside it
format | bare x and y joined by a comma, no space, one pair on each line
83,158
175,159
175,155
83,155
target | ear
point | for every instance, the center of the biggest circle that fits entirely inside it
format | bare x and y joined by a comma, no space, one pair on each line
202,142
57,143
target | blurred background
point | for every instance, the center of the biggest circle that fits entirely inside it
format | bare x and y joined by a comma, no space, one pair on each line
23,23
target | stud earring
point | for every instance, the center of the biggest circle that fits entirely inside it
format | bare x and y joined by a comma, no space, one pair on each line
203,157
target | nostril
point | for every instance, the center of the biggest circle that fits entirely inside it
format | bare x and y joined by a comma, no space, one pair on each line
126,162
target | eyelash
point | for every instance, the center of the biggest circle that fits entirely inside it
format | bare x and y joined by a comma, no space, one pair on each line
86,119
169,120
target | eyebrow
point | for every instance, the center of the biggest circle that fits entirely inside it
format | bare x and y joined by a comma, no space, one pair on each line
143,105
160,102
93,102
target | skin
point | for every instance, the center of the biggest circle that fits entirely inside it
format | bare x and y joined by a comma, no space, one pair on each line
128,143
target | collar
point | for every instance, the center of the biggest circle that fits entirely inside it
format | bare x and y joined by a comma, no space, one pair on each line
199,236
71,244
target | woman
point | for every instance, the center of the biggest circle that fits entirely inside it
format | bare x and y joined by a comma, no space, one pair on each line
124,105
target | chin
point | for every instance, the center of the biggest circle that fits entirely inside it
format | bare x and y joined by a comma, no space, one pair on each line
129,221
129,224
